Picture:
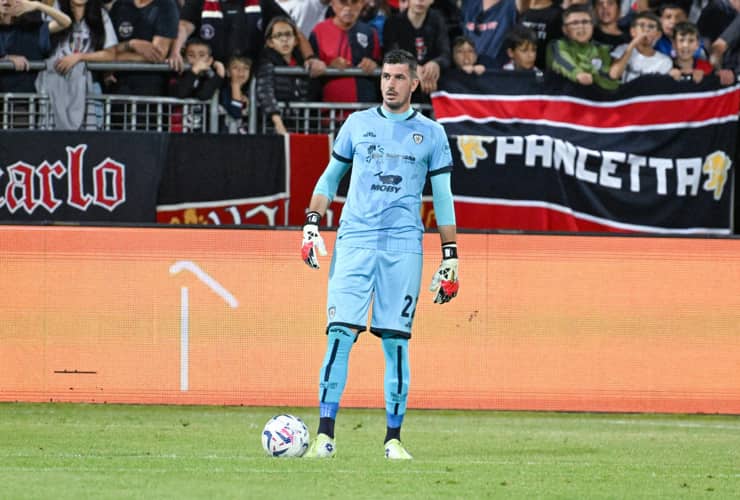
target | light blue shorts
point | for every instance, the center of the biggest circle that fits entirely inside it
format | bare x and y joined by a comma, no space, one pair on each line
388,279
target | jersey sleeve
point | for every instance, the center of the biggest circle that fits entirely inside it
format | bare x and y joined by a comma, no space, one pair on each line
441,160
343,149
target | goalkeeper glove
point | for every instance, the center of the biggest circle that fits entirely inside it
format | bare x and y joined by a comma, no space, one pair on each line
445,283
312,240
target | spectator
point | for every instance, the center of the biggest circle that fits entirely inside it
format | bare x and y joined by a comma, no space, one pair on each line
376,13
423,33
344,42
305,13
273,8
24,37
146,30
228,26
486,22
639,56
205,76
577,57
686,66
91,38
521,47
670,14
233,95
545,18
464,56
725,50
607,30
281,49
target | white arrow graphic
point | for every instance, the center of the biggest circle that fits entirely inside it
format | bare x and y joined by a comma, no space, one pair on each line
218,289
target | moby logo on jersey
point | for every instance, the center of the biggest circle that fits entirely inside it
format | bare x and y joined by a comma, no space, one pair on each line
389,183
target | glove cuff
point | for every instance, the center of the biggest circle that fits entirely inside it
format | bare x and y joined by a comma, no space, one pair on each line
313,218
449,250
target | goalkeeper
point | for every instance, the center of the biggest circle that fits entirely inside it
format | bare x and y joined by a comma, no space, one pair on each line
392,150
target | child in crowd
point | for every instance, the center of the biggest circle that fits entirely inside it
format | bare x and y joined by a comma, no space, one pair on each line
670,14
576,57
607,30
544,17
639,56
465,57
281,50
233,95
521,46
686,66
205,75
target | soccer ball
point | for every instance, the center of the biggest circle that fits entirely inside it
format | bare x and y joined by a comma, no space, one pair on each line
285,436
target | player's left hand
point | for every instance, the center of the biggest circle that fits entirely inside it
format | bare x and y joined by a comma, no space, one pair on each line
445,283
312,241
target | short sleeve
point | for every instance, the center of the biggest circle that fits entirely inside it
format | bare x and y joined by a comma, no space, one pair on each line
441,160
343,148
167,21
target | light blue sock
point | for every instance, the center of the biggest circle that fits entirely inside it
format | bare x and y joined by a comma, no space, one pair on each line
397,375
334,370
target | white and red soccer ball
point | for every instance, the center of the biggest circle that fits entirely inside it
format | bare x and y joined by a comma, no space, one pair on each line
285,436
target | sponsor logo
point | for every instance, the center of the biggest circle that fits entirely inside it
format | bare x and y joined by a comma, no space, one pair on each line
374,152
389,183
369,134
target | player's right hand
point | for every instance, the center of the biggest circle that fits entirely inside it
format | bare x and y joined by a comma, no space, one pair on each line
312,241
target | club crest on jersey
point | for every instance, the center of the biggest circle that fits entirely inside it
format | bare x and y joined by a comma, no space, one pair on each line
332,312
418,138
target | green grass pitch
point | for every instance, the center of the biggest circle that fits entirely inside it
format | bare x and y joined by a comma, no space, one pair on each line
76,451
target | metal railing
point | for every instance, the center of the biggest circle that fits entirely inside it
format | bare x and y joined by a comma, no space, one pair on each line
169,114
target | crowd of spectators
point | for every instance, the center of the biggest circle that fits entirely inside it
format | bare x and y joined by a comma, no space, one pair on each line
215,46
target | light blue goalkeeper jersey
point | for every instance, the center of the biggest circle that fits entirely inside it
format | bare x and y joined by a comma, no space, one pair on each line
390,164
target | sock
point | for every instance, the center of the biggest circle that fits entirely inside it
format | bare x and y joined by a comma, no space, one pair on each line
333,376
392,433
326,426
397,376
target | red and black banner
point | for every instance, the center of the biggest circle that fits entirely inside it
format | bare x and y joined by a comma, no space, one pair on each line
224,179
537,154
80,176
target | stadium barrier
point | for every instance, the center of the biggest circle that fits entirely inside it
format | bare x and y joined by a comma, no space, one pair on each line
232,316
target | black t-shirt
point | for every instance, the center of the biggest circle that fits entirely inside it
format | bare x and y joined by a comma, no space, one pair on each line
158,18
239,30
610,40
547,24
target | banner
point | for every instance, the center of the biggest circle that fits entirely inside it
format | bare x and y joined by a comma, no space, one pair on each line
80,176
224,179
655,156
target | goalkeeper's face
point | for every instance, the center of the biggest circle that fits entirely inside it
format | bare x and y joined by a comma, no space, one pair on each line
397,83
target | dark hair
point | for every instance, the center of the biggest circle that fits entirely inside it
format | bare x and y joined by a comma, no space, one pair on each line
238,56
578,8
281,19
520,35
461,39
663,6
646,14
194,40
685,28
400,56
93,17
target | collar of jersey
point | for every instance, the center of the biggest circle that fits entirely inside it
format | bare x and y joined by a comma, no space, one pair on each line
397,117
